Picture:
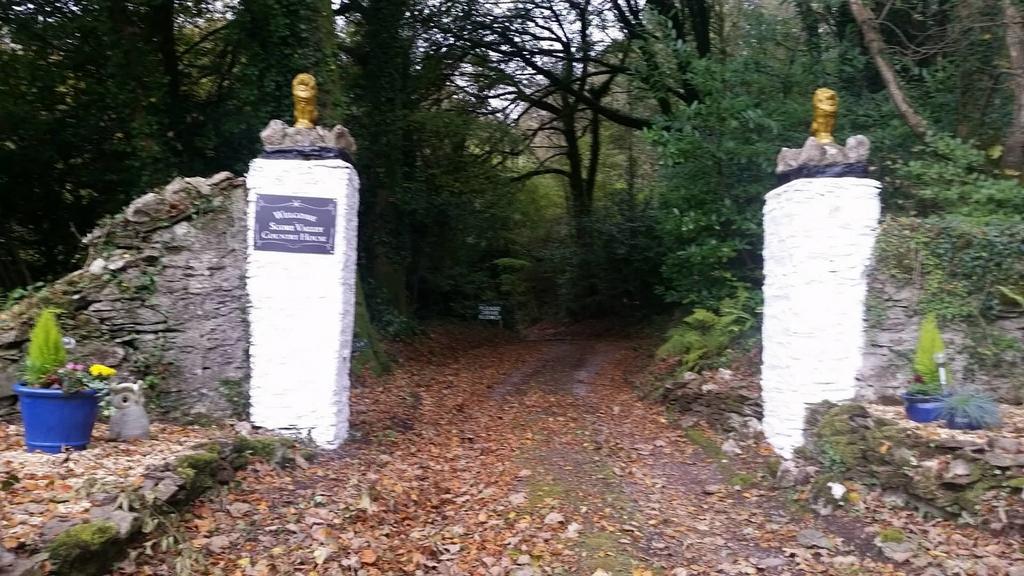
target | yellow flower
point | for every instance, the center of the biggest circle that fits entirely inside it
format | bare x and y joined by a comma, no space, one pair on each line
101,371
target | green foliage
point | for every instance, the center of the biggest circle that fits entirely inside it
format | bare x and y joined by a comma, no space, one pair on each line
18,294
387,320
102,100
979,409
831,458
514,284
46,352
1013,296
929,343
716,160
950,176
959,263
705,337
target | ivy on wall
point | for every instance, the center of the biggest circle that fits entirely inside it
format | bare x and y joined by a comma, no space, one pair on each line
967,269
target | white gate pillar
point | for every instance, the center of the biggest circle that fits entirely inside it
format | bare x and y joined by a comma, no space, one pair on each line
303,201
819,234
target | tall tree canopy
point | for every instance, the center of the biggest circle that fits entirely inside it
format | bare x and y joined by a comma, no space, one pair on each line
566,157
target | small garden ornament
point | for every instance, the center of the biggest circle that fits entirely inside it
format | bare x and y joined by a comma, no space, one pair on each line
129,420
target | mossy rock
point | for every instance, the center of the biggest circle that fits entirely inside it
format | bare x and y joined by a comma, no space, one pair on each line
236,394
925,485
969,500
274,450
882,442
85,550
891,536
840,442
198,470
889,476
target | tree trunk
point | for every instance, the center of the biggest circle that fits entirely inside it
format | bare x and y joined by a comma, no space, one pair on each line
163,32
876,47
1013,147
809,23
382,56
700,22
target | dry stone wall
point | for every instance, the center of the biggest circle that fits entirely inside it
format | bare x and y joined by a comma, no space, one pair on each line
975,475
161,296
893,321
954,268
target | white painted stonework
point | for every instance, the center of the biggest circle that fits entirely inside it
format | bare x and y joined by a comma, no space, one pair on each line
302,307
819,234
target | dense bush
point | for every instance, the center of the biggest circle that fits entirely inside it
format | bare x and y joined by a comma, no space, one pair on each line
950,176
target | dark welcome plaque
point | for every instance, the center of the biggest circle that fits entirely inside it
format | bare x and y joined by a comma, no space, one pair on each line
295,224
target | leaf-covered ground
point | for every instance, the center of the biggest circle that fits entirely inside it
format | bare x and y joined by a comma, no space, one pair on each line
537,458
43,494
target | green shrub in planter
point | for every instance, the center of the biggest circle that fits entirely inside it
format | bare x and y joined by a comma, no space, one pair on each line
926,368
923,398
58,400
46,352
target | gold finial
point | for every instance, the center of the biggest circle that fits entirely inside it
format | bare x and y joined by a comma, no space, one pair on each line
826,103
304,95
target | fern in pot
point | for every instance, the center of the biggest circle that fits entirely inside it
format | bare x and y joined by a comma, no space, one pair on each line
971,410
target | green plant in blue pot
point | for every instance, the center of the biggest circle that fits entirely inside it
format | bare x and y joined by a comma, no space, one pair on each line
59,400
971,410
923,400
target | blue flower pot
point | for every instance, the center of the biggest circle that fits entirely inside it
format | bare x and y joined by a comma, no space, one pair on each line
923,408
55,421
957,423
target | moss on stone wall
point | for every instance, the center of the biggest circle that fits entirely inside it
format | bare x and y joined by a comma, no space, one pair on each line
160,298
199,470
85,550
849,443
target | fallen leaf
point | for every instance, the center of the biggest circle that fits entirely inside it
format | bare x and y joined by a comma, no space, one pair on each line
321,554
554,518
368,556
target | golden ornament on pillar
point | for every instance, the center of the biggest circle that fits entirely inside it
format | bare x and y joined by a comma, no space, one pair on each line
826,103
304,95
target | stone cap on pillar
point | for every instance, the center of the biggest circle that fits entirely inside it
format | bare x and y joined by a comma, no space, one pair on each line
281,140
824,159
